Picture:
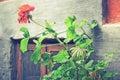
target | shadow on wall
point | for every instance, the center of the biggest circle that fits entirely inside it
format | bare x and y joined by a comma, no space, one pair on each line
97,37
97,34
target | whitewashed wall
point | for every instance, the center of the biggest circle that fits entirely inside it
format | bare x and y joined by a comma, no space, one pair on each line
51,10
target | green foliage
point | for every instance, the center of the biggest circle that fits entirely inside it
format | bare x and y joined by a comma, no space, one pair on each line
61,57
49,30
25,32
89,65
70,21
82,24
70,32
74,62
35,57
46,59
108,75
93,25
86,43
61,71
24,44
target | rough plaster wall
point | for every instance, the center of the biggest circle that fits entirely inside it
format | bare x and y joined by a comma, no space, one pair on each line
107,40
6,29
59,10
51,10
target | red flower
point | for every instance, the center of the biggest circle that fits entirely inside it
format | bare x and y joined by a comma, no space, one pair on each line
24,13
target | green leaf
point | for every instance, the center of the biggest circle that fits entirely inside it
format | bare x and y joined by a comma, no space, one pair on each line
86,44
67,66
49,26
65,78
44,63
58,73
70,21
110,74
89,65
71,34
62,56
109,55
41,39
35,41
85,78
70,64
83,72
102,64
45,56
84,21
50,32
35,57
24,44
78,39
89,53
72,74
25,32
67,40
93,25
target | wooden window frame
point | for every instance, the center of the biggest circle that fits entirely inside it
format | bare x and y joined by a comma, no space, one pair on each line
46,48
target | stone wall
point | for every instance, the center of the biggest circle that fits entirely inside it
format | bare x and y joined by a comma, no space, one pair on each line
106,37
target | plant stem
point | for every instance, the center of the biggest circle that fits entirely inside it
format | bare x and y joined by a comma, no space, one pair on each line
36,22
61,32
77,74
63,45
85,33
36,35
61,42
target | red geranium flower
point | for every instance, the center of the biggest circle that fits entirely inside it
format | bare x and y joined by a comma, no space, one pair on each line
24,13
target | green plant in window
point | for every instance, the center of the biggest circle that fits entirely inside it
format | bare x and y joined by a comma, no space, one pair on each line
74,62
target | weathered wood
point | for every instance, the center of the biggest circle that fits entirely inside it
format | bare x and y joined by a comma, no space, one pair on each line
13,60
30,71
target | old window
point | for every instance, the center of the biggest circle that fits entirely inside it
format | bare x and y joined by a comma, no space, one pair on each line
23,68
